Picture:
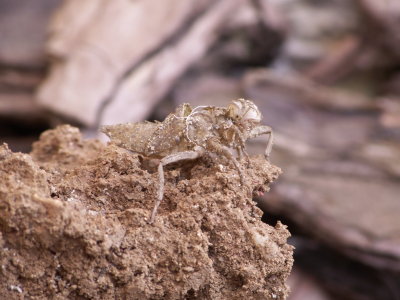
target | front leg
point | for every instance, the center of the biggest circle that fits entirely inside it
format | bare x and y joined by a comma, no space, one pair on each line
172,158
215,146
259,130
241,149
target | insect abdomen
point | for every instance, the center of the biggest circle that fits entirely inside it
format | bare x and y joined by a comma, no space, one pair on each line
131,136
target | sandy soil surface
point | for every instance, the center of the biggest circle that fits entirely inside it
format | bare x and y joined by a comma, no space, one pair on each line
73,225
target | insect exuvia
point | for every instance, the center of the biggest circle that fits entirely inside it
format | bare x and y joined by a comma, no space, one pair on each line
190,133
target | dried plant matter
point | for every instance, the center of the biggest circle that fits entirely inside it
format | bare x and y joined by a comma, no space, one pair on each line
191,133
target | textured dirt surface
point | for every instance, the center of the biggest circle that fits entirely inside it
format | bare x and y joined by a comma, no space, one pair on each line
73,226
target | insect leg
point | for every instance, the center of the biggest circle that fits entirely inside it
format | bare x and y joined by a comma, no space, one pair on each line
169,160
216,147
241,150
264,130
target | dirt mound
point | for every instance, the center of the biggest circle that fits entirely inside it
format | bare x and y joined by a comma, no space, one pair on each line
73,225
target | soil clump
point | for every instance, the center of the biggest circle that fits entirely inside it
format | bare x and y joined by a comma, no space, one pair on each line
73,225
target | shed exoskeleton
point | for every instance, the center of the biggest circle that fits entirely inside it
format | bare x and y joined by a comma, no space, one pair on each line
190,133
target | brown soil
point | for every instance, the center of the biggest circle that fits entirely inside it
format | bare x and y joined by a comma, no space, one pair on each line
73,226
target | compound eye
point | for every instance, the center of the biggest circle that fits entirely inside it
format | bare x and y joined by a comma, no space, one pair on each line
233,111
